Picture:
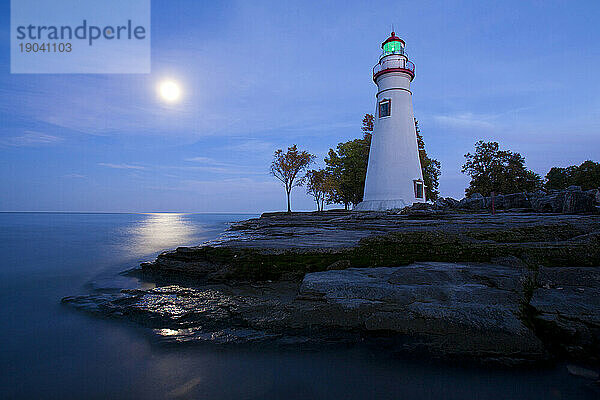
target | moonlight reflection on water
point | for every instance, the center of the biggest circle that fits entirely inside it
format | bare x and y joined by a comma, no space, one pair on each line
49,256
162,231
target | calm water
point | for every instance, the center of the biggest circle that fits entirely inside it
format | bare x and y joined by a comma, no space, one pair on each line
51,351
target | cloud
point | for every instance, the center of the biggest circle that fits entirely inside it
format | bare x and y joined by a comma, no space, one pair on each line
237,185
253,145
208,161
74,176
211,165
121,166
31,138
200,159
467,121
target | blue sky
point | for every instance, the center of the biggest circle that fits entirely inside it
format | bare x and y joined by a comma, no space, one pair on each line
257,76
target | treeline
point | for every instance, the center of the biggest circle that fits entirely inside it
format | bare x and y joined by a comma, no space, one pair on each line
493,170
586,175
342,181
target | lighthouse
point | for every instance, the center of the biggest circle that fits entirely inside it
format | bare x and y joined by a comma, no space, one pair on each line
394,176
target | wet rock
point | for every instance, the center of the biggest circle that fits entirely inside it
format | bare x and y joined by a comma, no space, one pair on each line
215,314
447,309
466,309
246,283
582,372
566,310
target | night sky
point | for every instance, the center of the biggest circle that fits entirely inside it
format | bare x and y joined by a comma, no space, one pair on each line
257,76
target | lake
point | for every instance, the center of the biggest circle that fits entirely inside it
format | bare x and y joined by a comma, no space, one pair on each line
51,351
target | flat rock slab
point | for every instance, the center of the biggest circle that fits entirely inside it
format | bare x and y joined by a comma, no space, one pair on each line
456,308
506,286
446,308
345,229
282,246
567,310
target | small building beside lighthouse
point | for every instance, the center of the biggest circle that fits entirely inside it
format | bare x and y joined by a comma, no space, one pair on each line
394,177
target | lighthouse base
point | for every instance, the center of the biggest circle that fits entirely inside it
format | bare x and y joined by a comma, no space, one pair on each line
381,205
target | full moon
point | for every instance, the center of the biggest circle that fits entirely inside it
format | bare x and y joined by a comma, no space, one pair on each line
169,91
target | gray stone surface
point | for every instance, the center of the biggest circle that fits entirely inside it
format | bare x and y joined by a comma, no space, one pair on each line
511,306
335,229
572,200
465,309
453,308
576,202
567,310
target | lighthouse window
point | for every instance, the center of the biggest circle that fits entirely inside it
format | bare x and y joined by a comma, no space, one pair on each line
385,108
419,189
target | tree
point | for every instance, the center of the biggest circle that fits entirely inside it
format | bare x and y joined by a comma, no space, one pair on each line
500,171
559,178
430,167
317,185
287,166
367,127
586,175
348,167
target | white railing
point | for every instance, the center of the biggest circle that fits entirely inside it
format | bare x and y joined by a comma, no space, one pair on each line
399,63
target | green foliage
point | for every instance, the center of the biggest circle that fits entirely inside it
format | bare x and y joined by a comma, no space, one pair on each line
318,185
499,171
430,167
367,127
348,167
586,175
558,178
286,167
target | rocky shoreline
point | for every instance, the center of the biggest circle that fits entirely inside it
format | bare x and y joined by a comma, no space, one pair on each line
511,288
572,200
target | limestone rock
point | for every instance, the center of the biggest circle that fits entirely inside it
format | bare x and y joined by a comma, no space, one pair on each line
453,308
596,194
567,310
516,200
445,203
553,202
577,202
475,202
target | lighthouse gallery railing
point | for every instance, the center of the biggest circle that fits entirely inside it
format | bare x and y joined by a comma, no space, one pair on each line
394,64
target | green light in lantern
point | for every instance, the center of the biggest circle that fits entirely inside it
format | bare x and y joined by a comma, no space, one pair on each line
392,47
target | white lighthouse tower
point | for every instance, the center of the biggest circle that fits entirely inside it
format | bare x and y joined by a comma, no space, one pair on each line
394,176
